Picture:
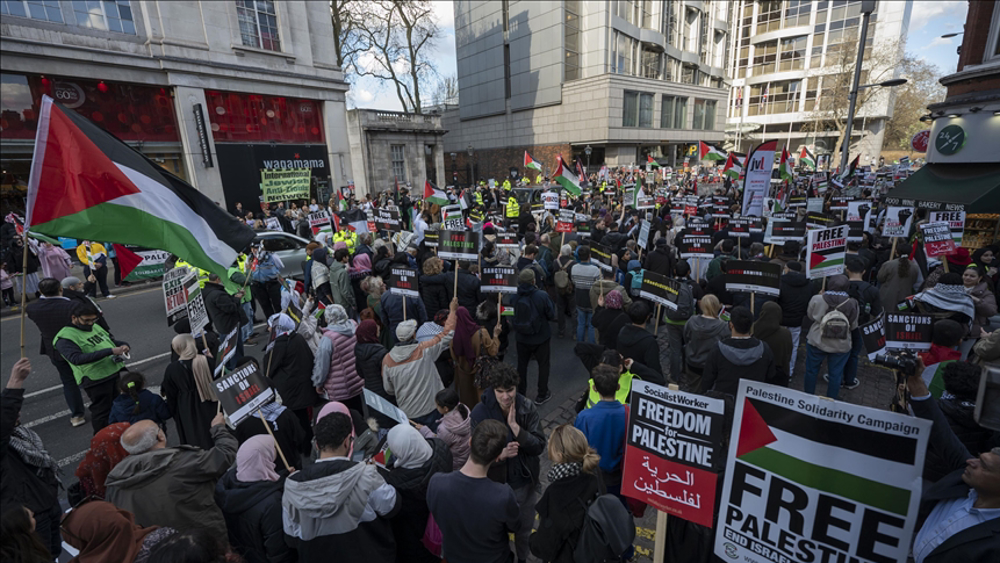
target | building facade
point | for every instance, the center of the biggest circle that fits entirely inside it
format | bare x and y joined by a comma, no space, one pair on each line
627,78
792,62
389,147
217,93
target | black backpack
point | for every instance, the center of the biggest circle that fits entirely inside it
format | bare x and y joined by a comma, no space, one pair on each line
608,531
527,320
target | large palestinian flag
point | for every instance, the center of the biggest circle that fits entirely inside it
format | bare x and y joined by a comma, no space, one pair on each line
807,158
564,175
434,195
87,184
710,152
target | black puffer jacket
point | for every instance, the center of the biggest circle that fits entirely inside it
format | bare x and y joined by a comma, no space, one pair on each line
291,371
796,291
660,261
560,517
530,440
640,345
436,291
253,518
469,295
411,485
368,361
22,483
224,309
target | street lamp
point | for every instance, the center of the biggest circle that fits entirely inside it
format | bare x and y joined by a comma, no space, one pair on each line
454,171
587,151
471,151
950,35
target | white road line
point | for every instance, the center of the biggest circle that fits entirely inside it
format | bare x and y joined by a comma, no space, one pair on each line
132,365
154,388
73,458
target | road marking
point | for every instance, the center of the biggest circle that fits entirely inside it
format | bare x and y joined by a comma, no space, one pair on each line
122,296
73,458
132,365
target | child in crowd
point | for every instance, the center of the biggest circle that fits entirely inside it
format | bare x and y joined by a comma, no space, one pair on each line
604,425
138,403
454,428
7,286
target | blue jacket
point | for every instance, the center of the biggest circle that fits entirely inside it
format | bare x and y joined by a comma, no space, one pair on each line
151,407
604,425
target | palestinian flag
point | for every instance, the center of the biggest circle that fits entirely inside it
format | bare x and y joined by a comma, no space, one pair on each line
530,162
847,175
87,184
651,162
710,152
733,168
567,179
127,260
807,158
785,168
433,195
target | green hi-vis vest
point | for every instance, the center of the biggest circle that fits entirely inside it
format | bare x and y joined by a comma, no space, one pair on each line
202,274
513,209
96,339
624,388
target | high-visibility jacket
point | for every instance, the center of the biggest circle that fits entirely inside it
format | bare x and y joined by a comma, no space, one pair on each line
202,274
624,388
513,209
538,179
350,238
89,342
479,198
506,185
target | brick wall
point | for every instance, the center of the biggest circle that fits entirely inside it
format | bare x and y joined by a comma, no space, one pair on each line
977,31
496,163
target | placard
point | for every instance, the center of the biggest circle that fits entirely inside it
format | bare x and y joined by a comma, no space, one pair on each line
390,410
458,245
507,241
816,220
285,184
550,200
955,220
908,331
840,202
695,246
644,202
937,239
797,201
673,451
873,336
175,283
660,289
858,213
582,225
387,220
743,227
814,204
826,251
452,219
242,392
753,276
403,281
809,479
272,224
430,239
602,255
197,313
566,219
643,235
897,222
780,231
498,279
226,351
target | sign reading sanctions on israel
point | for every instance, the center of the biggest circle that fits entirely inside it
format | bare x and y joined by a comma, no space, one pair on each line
812,480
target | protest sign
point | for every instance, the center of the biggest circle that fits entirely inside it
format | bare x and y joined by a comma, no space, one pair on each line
742,227
809,479
430,239
507,241
781,231
826,251
272,224
500,279
197,313
908,331
644,234
643,201
673,451
285,184
385,407
873,336
319,222
937,239
753,276
458,245
387,220
720,207
550,200
757,183
955,220
814,204
452,219
566,219
582,225
815,220
175,283
660,289
840,202
242,392
796,201
601,254
897,222
692,245
403,281
226,351
857,215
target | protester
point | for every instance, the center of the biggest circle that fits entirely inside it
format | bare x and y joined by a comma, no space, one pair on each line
225,312
897,280
100,532
340,281
469,294
393,312
136,403
767,328
334,371
265,286
197,545
94,258
73,290
727,252
741,356
609,318
190,394
674,320
975,282
55,262
565,298
834,315
104,454
606,285
435,285
26,279
701,334
869,307
533,310
471,342
289,367
660,260
604,425
19,540
454,428
584,274
635,342
51,313
796,291
947,299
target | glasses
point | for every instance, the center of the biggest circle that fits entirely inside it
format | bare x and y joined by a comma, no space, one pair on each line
87,320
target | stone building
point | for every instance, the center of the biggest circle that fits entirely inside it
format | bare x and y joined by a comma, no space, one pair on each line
388,146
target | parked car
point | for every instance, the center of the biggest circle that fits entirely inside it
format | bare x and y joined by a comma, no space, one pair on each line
290,248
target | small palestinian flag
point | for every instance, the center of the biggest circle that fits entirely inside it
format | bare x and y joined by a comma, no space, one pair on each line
846,175
567,179
733,168
651,162
530,162
710,152
433,195
785,168
807,158
87,184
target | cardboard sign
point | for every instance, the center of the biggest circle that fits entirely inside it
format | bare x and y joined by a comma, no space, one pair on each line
673,451
660,289
582,225
550,200
840,202
387,220
319,222
695,246
779,231
955,220
937,239
742,227
643,235
403,281
565,222
272,224
908,331
226,351
458,245
826,251
814,204
601,255
806,476
197,313
243,392
500,279
753,276
858,213
452,219
390,410
816,220
507,241
644,202
797,201
430,239
897,222
175,283
873,336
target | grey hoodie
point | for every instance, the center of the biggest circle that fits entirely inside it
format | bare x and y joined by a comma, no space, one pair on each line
328,505
700,336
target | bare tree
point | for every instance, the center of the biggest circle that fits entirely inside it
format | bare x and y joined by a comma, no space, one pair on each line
446,91
921,89
349,42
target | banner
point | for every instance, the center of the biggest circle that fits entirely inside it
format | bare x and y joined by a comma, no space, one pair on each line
499,279
673,451
743,227
660,289
809,479
320,222
285,184
403,281
458,245
226,351
779,231
757,183
602,255
873,336
196,311
243,392
507,241
938,240
550,200
175,283
753,276
387,220
955,220
153,263
908,331
858,213
897,222
826,251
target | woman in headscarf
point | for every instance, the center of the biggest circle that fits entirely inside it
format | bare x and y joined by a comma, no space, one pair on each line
289,367
977,286
374,287
609,318
948,299
414,461
249,495
187,387
319,274
360,268
103,533
288,431
368,354
896,281
768,329
470,341
105,453
334,373
56,263
824,343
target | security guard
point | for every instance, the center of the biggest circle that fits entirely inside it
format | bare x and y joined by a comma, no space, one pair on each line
479,197
513,210
236,280
506,185
348,237
202,274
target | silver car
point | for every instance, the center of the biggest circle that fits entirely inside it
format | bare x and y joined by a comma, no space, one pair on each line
290,248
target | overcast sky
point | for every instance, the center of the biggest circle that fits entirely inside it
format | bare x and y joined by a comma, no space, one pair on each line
930,20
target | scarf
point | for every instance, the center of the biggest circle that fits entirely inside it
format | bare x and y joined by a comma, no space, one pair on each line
769,321
255,460
564,471
186,349
271,412
613,300
409,449
836,294
465,329
337,321
280,324
361,267
948,298
31,450
105,453
367,332
103,533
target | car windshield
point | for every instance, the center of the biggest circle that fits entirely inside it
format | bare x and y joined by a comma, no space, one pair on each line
276,243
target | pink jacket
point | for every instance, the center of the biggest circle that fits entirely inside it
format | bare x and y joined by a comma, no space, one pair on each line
334,367
454,429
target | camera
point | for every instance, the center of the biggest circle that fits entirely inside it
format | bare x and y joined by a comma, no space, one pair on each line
905,362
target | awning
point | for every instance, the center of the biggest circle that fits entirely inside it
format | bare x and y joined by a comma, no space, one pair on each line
973,188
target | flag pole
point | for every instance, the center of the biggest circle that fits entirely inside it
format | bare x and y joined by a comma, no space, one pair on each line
24,283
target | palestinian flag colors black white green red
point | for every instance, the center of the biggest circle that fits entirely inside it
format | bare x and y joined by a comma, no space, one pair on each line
710,152
807,159
87,184
567,179
794,456
651,162
530,162
826,252
733,168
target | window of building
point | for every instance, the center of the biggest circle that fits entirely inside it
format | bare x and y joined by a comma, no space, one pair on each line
624,54
667,112
704,39
637,110
765,55
506,71
782,97
646,110
670,22
257,118
769,16
797,12
106,16
46,10
572,65
793,53
704,114
680,113
647,14
689,74
398,162
652,64
258,24
628,11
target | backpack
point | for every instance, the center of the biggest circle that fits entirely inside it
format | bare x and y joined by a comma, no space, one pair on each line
562,281
608,531
527,321
685,303
835,325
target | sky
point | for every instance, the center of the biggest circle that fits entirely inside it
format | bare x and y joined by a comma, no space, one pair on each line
929,20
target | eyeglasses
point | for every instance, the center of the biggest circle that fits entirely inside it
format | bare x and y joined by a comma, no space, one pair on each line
87,320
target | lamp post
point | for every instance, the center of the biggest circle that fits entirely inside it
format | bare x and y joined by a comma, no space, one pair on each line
587,151
470,151
454,171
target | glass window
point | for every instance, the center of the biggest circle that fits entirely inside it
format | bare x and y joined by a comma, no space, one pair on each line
688,74
769,16
630,109
710,106
793,53
651,64
764,57
667,112
670,22
646,110
704,114
680,113
46,10
572,64
399,162
647,14
248,118
107,15
258,24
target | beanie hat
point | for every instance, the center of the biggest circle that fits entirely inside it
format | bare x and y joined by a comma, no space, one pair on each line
406,330
70,281
527,275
